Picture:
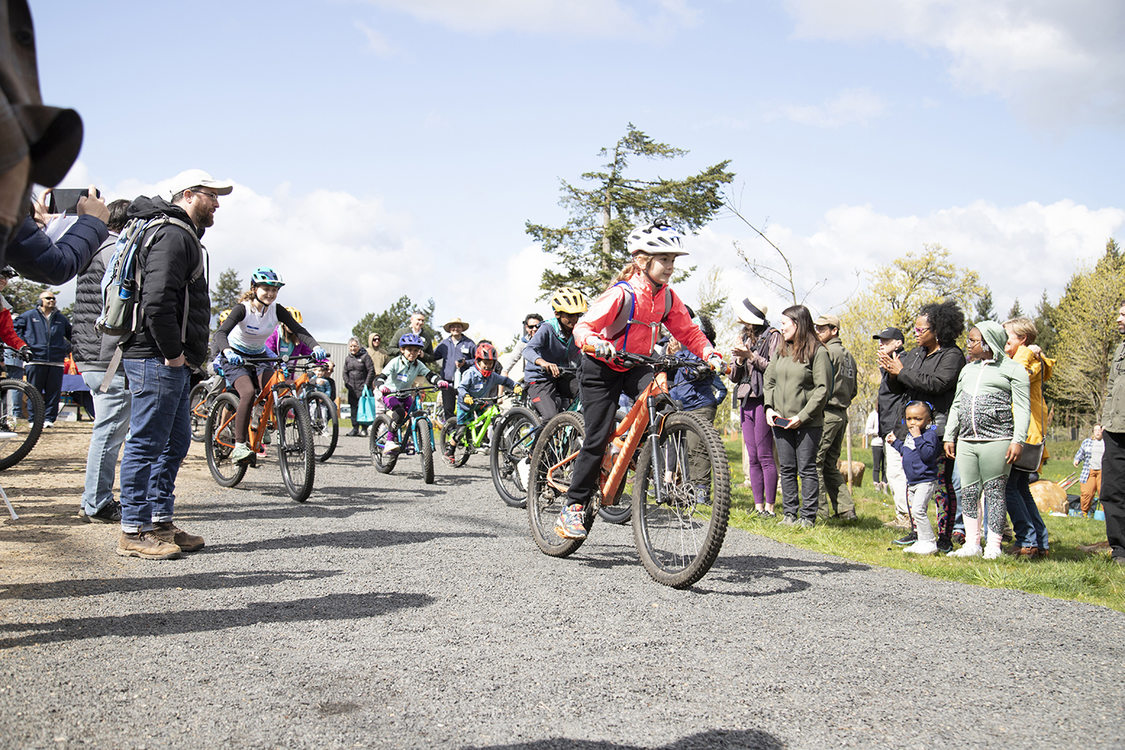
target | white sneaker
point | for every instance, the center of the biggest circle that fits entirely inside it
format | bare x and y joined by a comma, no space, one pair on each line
966,551
240,453
6,435
523,469
390,448
48,424
992,553
922,548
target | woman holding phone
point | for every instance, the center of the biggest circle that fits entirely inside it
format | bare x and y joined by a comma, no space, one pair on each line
798,382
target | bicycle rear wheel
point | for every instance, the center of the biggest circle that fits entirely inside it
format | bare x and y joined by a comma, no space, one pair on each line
325,424
22,413
561,437
198,411
425,436
218,441
377,442
679,536
295,451
510,455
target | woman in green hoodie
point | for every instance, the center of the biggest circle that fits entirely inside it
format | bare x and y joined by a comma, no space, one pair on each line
987,422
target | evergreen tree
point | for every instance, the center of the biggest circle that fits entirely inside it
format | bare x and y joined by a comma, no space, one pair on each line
1045,325
984,309
226,291
390,320
1016,311
23,295
590,247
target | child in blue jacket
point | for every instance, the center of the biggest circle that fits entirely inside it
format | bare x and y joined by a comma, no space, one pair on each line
920,452
479,381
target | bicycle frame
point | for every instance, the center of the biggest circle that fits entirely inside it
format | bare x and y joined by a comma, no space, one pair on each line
417,412
477,429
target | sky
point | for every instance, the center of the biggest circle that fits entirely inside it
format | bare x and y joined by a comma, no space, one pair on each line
382,148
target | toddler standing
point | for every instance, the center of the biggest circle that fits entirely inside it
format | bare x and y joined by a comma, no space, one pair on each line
920,451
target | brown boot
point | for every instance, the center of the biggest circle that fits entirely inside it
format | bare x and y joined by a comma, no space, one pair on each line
169,532
147,545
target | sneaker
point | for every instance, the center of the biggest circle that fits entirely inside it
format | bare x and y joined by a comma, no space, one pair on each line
944,547
846,516
353,432
991,552
788,520
703,495
48,424
969,550
109,513
922,548
570,524
805,523
390,448
523,469
6,435
910,538
168,532
145,544
240,453
958,537
769,514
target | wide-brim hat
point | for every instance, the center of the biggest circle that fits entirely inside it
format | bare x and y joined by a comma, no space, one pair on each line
456,321
751,312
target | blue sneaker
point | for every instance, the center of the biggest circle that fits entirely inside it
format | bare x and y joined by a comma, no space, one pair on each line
570,524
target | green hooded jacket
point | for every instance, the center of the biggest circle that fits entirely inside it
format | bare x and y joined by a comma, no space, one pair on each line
993,397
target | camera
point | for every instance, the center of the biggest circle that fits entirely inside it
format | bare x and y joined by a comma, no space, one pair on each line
65,200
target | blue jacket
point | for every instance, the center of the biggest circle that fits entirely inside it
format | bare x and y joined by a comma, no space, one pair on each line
453,354
48,342
920,456
475,384
37,258
548,343
696,386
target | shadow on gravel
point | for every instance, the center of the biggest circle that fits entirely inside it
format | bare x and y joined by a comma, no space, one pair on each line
321,509
716,738
163,622
770,576
367,539
194,581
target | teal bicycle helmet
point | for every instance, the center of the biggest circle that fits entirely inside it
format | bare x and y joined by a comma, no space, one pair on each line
266,276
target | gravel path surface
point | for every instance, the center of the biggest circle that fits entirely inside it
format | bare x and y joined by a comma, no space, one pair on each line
388,613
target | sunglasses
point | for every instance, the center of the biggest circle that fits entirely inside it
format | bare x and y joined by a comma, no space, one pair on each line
46,298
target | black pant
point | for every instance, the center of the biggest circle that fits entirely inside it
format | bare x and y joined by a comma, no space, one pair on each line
551,396
47,379
878,464
1113,490
601,386
796,457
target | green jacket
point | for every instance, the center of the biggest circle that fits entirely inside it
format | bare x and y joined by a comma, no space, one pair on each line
993,398
843,375
795,389
1113,413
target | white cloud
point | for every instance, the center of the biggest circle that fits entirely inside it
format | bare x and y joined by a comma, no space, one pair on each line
1054,62
851,106
376,42
599,18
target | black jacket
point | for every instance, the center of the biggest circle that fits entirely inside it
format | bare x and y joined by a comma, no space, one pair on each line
931,378
892,402
359,370
167,268
89,353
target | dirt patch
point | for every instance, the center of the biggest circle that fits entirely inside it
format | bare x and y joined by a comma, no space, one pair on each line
49,541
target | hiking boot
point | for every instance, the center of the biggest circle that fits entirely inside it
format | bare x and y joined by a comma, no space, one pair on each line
570,524
901,521
848,515
169,532
788,520
240,453
805,523
145,544
910,538
109,513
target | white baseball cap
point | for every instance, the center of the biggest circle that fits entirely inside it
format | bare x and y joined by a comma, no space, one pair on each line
191,178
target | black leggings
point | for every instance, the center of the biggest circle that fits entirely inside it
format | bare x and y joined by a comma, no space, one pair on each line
600,386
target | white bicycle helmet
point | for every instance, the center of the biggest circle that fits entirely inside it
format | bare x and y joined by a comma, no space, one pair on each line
657,237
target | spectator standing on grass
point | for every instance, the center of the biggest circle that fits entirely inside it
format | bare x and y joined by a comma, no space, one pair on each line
835,497
358,373
1113,459
892,407
1089,457
175,309
929,373
797,385
921,451
47,331
758,343
112,403
875,442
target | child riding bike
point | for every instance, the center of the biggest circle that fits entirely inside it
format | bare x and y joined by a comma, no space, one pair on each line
626,317
552,347
243,334
398,375
479,381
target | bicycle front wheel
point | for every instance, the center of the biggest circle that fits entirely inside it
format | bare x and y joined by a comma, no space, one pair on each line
22,413
377,443
678,536
218,441
461,449
425,435
325,424
295,450
552,459
509,457
198,411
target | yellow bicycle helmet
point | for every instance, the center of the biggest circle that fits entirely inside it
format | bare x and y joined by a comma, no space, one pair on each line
568,300
295,313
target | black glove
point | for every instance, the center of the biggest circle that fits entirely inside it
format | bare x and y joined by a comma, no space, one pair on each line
25,353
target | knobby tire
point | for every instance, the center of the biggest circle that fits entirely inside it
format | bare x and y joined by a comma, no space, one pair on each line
218,441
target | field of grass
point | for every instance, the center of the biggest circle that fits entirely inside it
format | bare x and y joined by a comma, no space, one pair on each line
1067,574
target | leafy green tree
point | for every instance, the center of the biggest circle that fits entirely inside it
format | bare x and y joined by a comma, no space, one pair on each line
590,247
23,295
390,320
226,291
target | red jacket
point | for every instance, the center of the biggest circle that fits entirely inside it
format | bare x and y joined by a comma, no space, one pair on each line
8,332
643,333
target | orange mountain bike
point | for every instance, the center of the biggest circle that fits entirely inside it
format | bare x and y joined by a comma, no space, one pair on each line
681,481
276,408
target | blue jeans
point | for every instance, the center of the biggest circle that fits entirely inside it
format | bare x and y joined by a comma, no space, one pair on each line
15,403
796,456
111,425
160,434
1027,524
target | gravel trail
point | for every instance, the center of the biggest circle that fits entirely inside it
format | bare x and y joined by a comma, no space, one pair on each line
388,613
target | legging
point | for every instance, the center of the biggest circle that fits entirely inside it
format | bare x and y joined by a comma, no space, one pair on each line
984,474
945,500
758,437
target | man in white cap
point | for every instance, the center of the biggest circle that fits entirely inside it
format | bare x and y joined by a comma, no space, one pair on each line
175,309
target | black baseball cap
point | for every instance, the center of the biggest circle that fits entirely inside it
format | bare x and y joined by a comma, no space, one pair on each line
890,333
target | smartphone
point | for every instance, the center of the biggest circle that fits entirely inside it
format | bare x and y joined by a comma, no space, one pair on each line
65,200
781,422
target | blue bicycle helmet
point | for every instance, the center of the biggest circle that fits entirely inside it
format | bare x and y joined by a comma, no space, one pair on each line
264,275
411,339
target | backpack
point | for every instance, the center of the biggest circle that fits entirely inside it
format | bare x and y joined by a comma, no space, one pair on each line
620,324
123,280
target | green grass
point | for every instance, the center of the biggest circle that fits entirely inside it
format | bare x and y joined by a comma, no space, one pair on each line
1067,574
